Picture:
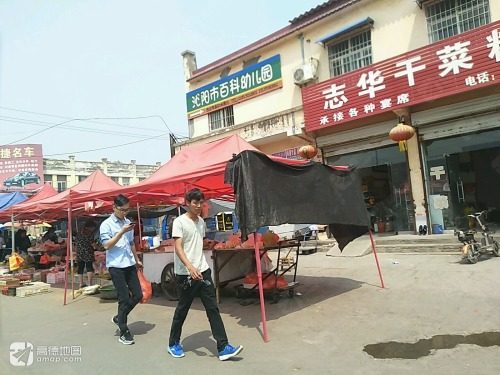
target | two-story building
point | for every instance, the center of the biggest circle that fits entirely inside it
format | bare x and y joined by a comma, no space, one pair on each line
345,73
63,174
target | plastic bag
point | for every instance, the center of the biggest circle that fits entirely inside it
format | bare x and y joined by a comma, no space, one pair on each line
266,263
44,259
15,260
147,290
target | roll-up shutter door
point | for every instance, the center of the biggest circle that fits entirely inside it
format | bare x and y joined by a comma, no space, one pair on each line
355,140
457,119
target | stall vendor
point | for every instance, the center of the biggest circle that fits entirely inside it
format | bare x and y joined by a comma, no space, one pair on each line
22,242
51,243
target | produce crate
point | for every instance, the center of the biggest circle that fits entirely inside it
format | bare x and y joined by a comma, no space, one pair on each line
9,291
55,277
95,280
25,291
33,289
41,287
9,281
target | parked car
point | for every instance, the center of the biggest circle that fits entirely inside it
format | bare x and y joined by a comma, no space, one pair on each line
22,179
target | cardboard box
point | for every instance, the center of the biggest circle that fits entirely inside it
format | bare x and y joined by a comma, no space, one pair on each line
9,281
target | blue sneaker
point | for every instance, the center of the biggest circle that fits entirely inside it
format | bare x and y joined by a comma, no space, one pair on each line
229,351
176,350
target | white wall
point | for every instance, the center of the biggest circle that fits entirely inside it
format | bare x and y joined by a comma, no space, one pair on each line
399,27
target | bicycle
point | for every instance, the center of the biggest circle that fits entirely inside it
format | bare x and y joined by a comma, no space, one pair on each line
473,249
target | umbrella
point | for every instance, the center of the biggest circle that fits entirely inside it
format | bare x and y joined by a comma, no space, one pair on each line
9,225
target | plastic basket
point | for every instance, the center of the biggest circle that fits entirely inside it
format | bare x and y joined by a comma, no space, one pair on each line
55,277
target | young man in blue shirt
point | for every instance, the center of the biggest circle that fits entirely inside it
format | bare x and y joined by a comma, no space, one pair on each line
117,237
194,278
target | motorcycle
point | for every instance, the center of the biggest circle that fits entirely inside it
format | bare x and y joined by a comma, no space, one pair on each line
473,249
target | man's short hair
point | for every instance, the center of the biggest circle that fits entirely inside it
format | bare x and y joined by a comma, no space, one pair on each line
194,194
121,200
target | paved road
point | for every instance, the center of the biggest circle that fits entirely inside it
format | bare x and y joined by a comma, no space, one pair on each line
341,309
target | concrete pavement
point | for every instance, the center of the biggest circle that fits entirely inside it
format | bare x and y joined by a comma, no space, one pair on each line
339,309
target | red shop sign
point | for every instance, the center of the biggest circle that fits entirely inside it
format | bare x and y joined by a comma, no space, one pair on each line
454,65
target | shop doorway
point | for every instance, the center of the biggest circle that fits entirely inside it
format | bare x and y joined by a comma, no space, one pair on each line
463,176
386,187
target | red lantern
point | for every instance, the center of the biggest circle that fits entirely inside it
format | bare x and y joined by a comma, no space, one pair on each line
401,133
308,152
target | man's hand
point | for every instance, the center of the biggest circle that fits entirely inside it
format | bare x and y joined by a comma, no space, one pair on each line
138,264
195,273
127,228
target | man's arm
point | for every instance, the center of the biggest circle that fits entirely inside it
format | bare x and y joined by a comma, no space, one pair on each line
179,250
137,260
109,243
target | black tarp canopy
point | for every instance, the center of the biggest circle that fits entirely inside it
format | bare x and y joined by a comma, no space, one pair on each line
273,193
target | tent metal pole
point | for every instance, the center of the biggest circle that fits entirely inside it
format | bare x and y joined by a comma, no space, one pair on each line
68,250
13,236
72,273
376,258
261,288
139,224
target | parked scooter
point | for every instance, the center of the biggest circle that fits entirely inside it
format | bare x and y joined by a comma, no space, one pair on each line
473,249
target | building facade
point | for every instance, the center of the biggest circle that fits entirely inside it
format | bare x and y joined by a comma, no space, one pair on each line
343,74
63,174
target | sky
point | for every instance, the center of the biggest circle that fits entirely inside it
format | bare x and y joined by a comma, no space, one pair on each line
104,78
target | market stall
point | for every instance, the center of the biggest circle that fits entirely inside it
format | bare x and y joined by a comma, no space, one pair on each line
308,193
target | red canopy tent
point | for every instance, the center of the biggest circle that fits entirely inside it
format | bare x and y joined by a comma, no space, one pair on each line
200,166
45,191
56,206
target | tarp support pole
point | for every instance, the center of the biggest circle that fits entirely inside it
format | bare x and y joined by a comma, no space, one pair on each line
261,288
68,249
13,236
376,258
139,224
71,257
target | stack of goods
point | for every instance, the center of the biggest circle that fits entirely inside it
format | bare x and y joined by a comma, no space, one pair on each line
32,289
8,284
269,281
267,239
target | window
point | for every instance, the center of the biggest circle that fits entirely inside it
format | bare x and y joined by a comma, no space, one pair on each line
116,179
125,181
190,128
350,54
451,17
221,119
47,178
61,183
81,178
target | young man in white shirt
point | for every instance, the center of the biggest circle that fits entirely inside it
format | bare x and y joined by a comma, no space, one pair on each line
194,278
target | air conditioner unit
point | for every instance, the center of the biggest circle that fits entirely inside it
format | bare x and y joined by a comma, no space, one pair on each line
306,73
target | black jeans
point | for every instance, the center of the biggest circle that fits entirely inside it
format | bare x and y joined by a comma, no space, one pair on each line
187,293
125,281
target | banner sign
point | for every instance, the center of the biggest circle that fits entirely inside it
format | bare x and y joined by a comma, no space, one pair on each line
458,64
248,83
21,167
290,153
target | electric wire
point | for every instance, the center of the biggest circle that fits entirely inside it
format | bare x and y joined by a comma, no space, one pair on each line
102,148
91,120
77,128
94,118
